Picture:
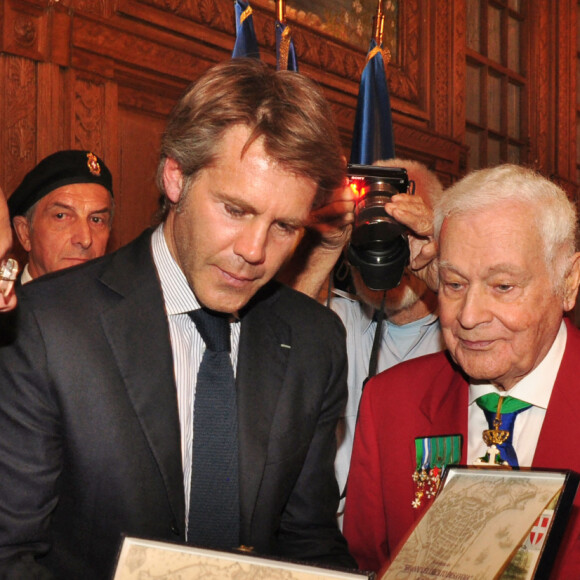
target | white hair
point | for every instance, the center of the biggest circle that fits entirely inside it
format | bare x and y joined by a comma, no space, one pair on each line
554,214
427,184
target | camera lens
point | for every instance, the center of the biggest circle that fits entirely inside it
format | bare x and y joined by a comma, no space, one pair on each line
373,227
378,248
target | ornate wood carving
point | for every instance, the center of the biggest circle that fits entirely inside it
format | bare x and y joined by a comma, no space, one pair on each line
442,69
88,105
540,84
457,73
447,158
53,126
102,63
314,49
98,7
24,29
19,125
565,163
217,14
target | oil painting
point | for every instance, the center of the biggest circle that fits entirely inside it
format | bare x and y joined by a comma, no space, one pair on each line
350,21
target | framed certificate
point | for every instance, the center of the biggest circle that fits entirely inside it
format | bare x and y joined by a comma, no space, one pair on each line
140,559
489,523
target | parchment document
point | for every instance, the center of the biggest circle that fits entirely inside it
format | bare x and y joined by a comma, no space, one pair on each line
149,560
475,525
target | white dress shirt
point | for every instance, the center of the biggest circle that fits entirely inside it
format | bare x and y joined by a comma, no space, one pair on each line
25,277
398,343
535,388
186,344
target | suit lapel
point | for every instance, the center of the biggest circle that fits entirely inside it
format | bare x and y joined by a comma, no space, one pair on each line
446,408
137,330
265,346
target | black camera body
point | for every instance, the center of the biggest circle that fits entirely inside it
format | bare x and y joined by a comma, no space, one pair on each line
378,248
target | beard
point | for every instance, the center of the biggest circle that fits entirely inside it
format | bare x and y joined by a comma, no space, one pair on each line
404,296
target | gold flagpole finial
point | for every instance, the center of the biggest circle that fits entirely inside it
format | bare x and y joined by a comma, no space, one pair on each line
379,24
281,10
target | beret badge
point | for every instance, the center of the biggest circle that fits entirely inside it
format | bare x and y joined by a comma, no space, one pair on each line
65,167
93,164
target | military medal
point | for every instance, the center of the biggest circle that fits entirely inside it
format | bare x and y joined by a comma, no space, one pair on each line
93,164
493,438
433,454
498,438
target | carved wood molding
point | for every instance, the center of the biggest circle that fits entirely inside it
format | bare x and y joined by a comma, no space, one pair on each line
540,84
458,20
149,50
565,163
25,30
179,39
88,114
429,144
314,49
19,96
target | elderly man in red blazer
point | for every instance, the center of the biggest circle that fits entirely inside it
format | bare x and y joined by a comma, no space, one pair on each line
508,270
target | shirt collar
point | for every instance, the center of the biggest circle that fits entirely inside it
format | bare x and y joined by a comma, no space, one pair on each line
177,294
368,312
536,387
26,277
367,319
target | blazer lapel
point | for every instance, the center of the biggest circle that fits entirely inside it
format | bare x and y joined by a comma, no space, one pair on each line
138,332
553,449
446,408
265,346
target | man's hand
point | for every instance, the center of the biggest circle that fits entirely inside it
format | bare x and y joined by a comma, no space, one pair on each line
333,221
327,232
7,297
414,213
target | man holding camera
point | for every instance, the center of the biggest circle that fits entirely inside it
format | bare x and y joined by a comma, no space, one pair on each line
411,325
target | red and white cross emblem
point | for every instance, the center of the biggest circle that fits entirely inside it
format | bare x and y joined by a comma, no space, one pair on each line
539,529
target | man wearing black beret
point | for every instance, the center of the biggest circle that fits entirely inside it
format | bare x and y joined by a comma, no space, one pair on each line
62,211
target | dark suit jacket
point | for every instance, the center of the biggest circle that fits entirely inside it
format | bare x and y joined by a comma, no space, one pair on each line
90,444
427,397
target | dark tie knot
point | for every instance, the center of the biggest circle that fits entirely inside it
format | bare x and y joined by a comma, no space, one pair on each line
214,328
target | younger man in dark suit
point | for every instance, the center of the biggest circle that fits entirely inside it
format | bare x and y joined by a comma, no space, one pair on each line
97,405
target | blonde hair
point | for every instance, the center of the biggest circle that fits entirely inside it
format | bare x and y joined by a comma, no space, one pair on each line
284,109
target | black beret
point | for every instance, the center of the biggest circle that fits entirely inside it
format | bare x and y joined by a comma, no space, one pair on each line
60,168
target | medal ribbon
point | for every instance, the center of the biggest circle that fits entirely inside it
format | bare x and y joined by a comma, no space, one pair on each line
501,413
432,455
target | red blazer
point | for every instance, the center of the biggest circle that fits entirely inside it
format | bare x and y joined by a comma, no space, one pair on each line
426,397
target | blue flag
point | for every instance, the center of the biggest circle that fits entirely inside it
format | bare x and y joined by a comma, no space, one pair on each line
246,43
285,52
372,137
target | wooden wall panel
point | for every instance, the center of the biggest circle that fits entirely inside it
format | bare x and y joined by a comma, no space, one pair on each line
19,119
104,74
136,195
53,123
565,137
